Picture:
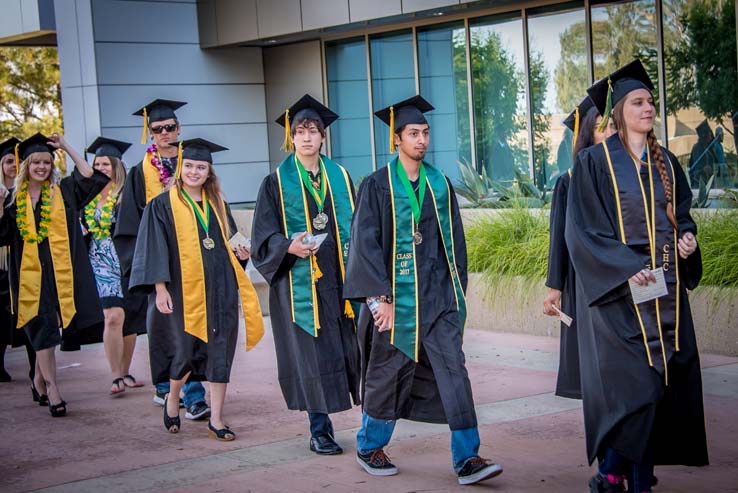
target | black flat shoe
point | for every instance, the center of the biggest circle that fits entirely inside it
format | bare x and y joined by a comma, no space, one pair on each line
325,445
171,424
58,410
222,435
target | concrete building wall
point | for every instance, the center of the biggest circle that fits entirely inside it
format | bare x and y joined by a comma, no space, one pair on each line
117,55
22,18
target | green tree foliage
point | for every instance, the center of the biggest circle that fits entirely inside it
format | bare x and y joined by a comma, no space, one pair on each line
539,78
30,93
570,75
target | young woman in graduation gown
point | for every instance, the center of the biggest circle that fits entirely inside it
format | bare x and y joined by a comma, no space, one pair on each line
628,215
8,335
585,120
51,281
194,280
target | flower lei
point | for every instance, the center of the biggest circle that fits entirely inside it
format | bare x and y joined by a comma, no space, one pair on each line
164,173
21,209
100,230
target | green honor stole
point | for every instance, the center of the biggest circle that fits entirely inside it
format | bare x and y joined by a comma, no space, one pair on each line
404,277
296,218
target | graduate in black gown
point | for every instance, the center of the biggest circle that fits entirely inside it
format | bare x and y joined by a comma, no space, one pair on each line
51,281
314,330
8,335
184,263
144,182
408,259
584,120
628,216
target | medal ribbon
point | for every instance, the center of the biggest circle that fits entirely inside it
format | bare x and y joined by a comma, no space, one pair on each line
203,217
318,196
416,202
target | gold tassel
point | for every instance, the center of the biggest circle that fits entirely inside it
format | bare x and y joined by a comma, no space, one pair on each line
392,129
348,310
17,160
316,270
61,162
576,128
608,108
146,126
287,145
178,173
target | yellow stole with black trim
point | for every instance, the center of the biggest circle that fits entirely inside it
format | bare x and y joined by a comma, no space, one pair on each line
29,285
194,304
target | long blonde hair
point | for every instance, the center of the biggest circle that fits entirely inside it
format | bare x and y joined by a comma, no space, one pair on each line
214,194
22,176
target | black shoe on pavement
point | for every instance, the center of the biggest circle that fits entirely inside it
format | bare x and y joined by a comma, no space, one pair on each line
609,484
198,411
477,469
160,396
325,445
376,463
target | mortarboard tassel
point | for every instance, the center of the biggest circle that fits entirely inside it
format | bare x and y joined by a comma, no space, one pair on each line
348,310
61,162
316,270
178,173
146,124
287,144
17,160
392,129
576,128
608,108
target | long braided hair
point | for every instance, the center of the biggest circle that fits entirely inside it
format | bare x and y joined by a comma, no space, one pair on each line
656,154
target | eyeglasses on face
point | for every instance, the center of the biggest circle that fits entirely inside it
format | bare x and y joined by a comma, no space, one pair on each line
160,128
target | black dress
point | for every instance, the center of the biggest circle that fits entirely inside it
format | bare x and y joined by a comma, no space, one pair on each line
172,351
316,374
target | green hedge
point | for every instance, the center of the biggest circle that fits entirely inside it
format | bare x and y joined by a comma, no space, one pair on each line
514,243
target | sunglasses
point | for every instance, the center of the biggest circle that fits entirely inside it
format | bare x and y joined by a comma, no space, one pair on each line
169,128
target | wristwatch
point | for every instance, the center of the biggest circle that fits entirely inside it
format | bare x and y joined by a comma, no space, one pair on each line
385,299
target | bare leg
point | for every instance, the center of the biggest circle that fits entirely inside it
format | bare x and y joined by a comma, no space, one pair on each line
217,398
113,343
31,361
129,345
175,387
38,378
46,359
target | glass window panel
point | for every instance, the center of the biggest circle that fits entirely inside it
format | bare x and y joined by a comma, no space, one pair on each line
348,95
499,96
393,79
558,79
701,93
443,82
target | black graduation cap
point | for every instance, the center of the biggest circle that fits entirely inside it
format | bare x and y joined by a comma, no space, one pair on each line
8,147
606,92
156,111
409,111
305,107
103,146
572,121
197,150
35,143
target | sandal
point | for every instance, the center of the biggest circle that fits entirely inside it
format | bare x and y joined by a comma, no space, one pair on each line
42,399
134,385
171,424
58,410
120,386
222,435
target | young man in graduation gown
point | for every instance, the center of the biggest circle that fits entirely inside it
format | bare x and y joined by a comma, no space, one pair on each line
408,259
145,181
314,331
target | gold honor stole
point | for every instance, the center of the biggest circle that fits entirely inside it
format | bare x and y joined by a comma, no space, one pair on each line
296,219
29,285
151,178
194,304
404,273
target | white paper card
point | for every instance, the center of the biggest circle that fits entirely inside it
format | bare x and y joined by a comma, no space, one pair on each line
318,240
650,291
239,240
563,316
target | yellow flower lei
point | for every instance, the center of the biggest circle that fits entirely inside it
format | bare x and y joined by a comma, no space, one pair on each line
21,201
100,230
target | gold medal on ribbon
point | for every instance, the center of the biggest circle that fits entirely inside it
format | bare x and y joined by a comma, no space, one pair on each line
208,243
417,237
320,221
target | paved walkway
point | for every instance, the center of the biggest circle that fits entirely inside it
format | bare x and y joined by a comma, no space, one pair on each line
118,444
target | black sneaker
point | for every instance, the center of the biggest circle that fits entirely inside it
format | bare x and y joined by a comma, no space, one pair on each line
376,463
606,484
198,411
477,469
160,396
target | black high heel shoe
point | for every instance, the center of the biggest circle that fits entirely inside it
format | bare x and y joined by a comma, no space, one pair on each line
42,399
58,410
171,424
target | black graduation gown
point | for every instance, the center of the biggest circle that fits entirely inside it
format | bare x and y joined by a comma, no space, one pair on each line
86,326
8,335
437,388
316,374
561,276
130,210
172,351
625,400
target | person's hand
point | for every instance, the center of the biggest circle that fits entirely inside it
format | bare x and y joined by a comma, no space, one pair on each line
687,245
242,252
58,142
163,300
643,277
553,298
299,249
384,318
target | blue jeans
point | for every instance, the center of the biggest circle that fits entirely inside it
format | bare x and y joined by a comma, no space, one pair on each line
376,433
193,392
640,476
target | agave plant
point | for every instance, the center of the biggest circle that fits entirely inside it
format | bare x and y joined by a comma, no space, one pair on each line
473,186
